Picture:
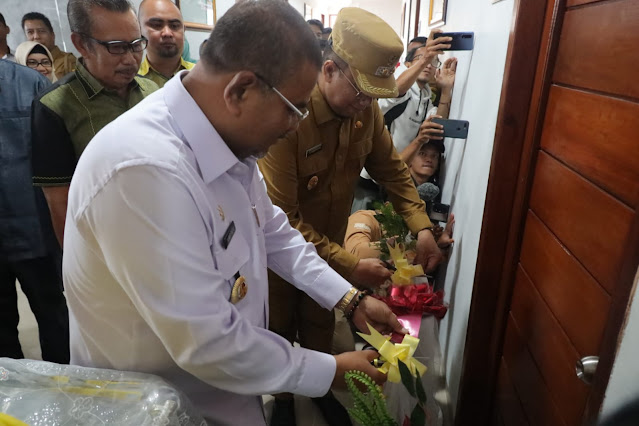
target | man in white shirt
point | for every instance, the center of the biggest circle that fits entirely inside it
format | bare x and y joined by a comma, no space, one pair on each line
170,231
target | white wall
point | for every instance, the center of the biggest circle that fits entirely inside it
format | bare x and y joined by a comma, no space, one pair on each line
476,99
624,380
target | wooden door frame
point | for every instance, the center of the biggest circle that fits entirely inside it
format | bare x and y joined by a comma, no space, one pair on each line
521,112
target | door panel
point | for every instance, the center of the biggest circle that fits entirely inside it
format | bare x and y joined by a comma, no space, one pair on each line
588,221
509,407
539,407
596,48
597,137
550,348
575,298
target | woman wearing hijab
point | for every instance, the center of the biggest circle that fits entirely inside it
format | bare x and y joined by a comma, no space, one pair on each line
35,55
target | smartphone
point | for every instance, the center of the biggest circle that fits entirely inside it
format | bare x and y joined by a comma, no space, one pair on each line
439,212
461,41
453,128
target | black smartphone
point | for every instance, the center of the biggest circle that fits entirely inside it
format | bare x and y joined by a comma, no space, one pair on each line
453,128
461,41
439,212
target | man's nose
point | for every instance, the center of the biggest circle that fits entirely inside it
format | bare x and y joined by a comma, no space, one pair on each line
166,31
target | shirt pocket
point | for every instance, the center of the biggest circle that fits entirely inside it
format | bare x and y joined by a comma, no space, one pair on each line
357,153
232,260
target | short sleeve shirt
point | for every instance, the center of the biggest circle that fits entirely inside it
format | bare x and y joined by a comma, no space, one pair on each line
68,115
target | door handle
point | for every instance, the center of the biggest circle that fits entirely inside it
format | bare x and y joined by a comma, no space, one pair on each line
586,368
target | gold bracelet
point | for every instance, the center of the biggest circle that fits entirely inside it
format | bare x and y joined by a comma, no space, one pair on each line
346,300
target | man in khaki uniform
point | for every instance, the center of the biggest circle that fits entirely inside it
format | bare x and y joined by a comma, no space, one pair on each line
311,174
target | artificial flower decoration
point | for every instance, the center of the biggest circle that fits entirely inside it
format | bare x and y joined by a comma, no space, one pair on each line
391,353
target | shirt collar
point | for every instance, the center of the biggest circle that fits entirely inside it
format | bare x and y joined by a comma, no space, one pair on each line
322,112
90,84
146,67
211,152
55,51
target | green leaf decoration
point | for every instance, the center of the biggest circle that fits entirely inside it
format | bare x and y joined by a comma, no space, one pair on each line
369,408
418,416
407,378
393,226
419,390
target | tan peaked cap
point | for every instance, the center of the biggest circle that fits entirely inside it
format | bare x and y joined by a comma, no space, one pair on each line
371,49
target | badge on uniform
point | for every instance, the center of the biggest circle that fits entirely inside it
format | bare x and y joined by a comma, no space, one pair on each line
239,290
228,235
312,183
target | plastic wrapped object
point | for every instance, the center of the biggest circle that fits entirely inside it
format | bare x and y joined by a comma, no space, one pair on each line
42,393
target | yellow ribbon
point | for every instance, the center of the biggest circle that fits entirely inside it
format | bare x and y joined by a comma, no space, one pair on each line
404,272
393,353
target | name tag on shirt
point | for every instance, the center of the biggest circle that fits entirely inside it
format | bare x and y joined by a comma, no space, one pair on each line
313,150
228,235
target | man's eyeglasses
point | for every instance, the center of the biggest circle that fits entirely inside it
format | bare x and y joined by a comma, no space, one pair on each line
358,93
436,63
118,47
300,114
32,63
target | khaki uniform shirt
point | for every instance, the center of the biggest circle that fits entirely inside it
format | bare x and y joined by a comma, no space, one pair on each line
362,232
311,174
63,62
68,115
146,70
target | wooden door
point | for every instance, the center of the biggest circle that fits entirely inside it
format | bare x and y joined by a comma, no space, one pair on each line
571,248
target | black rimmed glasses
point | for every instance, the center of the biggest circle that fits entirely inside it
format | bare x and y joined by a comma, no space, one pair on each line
301,114
32,63
358,93
117,47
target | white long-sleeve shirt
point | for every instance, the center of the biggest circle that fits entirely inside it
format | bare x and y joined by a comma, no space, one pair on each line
147,275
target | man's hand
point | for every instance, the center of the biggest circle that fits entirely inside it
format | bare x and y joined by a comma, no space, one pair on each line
428,254
357,360
370,273
446,238
378,315
445,76
429,130
436,46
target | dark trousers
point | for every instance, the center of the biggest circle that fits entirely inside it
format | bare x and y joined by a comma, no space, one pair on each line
41,281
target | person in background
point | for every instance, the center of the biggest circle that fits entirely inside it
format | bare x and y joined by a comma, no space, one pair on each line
317,27
5,51
170,230
408,116
326,33
162,24
29,251
37,27
103,86
311,174
186,53
363,229
35,55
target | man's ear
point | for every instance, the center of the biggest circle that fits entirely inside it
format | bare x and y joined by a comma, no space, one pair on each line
329,69
236,92
80,43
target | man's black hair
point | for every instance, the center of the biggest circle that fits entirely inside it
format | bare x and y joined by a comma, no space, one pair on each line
267,37
79,12
411,53
327,30
2,21
37,16
316,22
419,39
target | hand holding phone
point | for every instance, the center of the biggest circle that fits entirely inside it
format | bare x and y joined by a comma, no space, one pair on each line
453,128
459,41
